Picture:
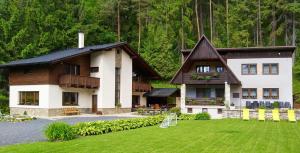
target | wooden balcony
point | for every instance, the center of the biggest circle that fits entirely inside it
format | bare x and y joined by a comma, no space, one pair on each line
141,86
75,81
205,101
204,78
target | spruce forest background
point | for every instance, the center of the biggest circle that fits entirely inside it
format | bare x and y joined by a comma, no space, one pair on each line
156,29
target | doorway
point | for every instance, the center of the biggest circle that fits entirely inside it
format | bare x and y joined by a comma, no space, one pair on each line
94,104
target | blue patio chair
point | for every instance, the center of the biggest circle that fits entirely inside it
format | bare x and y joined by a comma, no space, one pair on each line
255,104
248,104
252,105
287,105
261,104
268,104
281,104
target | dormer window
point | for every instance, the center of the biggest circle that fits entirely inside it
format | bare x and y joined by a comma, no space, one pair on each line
202,69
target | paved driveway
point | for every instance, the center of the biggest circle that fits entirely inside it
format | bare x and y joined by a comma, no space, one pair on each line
31,131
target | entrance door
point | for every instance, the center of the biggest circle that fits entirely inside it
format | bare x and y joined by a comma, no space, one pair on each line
94,103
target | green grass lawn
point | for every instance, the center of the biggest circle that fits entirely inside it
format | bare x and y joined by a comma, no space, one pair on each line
225,136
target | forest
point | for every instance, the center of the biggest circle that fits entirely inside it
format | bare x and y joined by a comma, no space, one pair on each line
157,29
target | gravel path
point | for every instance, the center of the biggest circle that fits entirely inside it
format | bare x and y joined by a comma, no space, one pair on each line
32,131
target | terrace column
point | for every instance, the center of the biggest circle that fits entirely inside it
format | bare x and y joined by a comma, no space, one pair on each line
182,97
227,94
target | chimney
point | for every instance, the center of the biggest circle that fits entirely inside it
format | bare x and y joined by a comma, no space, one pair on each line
80,40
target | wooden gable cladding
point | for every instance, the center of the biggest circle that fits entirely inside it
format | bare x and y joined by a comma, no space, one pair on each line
203,52
47,74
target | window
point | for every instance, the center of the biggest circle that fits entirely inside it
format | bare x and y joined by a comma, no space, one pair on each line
202,69
28,98
190,110
204,110
220,111
249,69
94,69
249,93
271,68
271,93
235,95
203,92
117,86
219,69
72,69
70,98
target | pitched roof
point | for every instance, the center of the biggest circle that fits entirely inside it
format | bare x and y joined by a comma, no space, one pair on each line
161,92
204,50
241,49
60,55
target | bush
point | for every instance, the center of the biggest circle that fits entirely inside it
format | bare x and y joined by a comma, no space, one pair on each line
4,107
202,116
276,104
60,131
140,110
175,110
186,117
102,127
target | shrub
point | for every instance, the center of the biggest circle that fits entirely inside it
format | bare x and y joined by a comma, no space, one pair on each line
276,104
186,117
140,110
202,116
102,127
175,110
59,131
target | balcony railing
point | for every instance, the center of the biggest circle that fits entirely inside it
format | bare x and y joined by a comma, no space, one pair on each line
141,86
205,101
79,82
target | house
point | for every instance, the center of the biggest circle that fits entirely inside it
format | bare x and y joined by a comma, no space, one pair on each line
89,78
213,79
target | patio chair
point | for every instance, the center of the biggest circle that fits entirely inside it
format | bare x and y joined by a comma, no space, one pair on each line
246,116
255,104
268,104
261,104
248,104
281,104
275,115
252,105
291,115
287,105
261,115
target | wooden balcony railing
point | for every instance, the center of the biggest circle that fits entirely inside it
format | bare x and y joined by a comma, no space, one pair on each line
205,101
141,86
79,82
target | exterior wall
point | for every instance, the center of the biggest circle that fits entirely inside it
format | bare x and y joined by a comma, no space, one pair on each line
212,110
143,100
283,80
106,92
40,75
50,100
126,80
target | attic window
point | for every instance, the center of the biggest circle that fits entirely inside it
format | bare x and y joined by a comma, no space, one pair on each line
202,68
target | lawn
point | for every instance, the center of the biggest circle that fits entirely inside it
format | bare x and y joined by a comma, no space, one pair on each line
226,136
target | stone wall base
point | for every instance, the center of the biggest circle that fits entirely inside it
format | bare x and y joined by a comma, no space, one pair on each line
44,111
254,114
106,111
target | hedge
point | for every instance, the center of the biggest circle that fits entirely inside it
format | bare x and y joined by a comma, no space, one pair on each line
102,127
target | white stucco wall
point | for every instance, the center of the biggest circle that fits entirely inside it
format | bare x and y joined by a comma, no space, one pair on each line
126,81
50,96
106,62
283,81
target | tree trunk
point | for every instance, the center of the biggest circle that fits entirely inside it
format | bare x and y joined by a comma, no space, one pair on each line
139,20
210,20
197,19
227,24
259,25
119,26
201,20
294,30
274,24
286,30
182,29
